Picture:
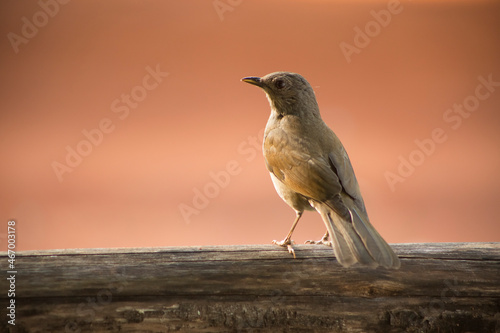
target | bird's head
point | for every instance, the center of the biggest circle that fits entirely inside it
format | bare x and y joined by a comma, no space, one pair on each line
288,93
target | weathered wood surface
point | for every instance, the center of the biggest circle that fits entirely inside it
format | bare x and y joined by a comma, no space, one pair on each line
441,287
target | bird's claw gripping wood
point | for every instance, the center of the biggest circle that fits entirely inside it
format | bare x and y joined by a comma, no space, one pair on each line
286,243
323,241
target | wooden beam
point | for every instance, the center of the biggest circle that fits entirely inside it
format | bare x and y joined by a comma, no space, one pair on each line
441,287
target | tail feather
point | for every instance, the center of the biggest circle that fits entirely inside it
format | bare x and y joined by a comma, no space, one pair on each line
374,243
356,241
341,249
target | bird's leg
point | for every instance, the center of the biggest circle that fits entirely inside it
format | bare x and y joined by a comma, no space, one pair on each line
322,241
287,242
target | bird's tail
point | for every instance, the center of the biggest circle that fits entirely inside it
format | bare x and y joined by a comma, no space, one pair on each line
355,240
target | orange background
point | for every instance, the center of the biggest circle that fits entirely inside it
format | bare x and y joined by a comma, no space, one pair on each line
127,192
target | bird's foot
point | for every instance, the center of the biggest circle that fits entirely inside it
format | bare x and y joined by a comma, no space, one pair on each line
286,243
322,241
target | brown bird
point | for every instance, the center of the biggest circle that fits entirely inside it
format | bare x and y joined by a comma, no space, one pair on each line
310,170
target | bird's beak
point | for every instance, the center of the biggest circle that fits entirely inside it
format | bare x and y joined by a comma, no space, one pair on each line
253,80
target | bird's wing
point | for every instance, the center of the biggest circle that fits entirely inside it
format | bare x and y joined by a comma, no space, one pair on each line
311,176
341,165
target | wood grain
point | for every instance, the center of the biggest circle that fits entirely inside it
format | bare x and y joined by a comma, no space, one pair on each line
441,287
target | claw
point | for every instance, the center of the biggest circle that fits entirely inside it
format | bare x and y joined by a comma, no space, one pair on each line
319,242
286,243
322,241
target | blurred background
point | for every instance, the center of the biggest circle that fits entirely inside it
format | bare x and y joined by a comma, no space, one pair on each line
124,123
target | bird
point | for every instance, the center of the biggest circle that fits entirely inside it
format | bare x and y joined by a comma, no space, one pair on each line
310,170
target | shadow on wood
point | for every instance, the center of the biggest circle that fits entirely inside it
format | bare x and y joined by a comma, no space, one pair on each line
441,287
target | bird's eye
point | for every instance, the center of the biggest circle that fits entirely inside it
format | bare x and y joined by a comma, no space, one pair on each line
280,84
